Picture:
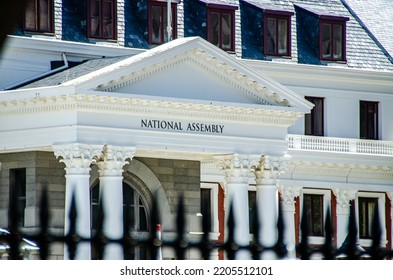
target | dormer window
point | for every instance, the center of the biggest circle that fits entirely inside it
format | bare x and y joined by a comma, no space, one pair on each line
221,26
277,33
158,22
332,34
102,19
38,16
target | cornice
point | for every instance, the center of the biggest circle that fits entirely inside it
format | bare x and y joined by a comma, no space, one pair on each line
341,170
208,64
132,106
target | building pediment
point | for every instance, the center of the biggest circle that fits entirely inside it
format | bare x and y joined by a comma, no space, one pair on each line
190,69
195,75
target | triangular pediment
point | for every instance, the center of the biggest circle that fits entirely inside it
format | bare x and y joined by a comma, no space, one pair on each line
191,69
193,75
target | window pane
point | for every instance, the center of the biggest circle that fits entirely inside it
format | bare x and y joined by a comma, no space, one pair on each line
271,35
314,213
252,198
95,18
206,210
214,29
44,16
318,117
165,24
94,197
17,185
226,31
314,124
30,16
108,19
142,219
156,25
366,214
282,36
326,41
338,41
368,120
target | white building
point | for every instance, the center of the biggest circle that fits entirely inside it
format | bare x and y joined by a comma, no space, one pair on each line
291,101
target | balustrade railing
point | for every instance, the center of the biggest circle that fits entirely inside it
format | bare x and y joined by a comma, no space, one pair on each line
340,145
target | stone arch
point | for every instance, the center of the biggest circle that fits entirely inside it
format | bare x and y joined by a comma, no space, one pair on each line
138,171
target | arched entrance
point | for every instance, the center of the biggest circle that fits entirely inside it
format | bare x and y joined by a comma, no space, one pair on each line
136,203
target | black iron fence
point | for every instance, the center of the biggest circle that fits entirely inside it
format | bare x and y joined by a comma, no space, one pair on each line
44,238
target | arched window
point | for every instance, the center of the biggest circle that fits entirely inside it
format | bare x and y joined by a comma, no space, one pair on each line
135,205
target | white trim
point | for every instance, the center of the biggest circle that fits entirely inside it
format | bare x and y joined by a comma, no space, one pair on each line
214,204
382,216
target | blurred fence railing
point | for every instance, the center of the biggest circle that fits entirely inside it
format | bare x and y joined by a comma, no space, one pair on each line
45,239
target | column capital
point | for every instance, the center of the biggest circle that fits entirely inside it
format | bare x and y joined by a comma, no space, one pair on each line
113,158
343,197
269,168
288,195
236,167
390,195
77,157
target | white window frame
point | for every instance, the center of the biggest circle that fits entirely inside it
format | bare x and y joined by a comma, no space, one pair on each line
214,204
317,240
366,242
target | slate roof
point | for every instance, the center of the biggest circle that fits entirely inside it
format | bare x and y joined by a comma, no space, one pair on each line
377,16
75,72
362,51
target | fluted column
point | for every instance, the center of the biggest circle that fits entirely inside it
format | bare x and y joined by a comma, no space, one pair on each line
237,173
110,166
266,173
288,195
77,159
343,198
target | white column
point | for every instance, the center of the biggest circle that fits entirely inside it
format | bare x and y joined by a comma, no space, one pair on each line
78,158
110,166
266,173
343,198
288,195
237,170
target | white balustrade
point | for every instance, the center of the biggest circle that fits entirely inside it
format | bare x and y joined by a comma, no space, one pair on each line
341,145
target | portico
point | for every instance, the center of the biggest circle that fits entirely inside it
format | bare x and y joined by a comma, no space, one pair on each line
184,101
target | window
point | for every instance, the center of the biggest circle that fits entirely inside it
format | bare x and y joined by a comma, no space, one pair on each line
277,33
332,40
252,200
368,120
210,207
367,206
221,27
313,205
38,16
158,22
18,188
314,120
316,203
102,19
206,206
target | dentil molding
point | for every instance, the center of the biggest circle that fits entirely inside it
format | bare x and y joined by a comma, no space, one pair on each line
132,106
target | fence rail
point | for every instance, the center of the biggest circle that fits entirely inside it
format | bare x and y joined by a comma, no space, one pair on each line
44,239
